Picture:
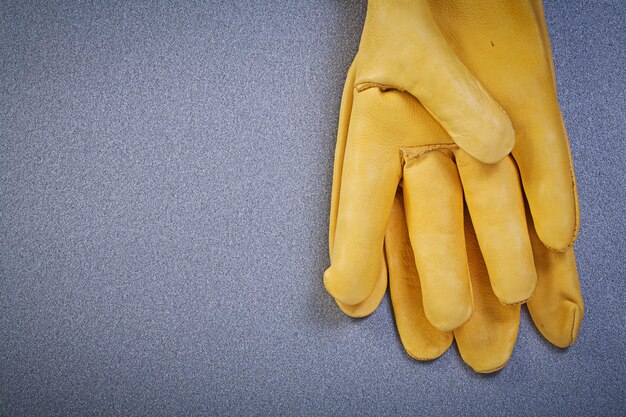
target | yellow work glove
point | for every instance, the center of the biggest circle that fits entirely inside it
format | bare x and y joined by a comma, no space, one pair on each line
383,130
486,340
429,71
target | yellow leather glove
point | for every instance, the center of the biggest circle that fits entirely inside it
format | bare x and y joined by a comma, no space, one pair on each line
506,44
450,94
486,340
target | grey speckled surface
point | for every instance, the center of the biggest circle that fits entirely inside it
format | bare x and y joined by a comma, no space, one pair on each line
165,176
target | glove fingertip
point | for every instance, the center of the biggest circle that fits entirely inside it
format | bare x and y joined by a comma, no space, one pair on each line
492,143
370,304
427,349
561,327
488,361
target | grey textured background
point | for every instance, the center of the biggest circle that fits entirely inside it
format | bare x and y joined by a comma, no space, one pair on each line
165,173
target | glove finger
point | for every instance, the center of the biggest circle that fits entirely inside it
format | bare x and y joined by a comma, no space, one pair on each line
494,198
545,167
486,341
434,209
371,303
370,175
420,338
557,306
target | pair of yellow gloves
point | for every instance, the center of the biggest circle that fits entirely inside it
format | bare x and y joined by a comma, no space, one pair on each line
453,179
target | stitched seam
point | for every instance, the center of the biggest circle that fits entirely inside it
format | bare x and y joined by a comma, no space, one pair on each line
411,152
382,87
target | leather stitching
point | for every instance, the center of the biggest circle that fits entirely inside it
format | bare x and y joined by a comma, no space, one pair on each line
411,152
